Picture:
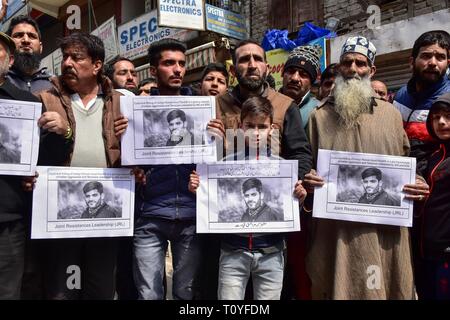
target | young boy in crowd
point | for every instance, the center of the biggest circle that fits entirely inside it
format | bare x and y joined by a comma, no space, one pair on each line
261,255
433,226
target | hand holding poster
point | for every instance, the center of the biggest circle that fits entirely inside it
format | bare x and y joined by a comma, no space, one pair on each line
19,137
73,202
167,130
364,188
247,196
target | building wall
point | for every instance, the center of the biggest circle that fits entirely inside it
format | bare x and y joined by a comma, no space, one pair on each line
353,16
257,15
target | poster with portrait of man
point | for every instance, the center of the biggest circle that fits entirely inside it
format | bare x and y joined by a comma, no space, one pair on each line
247,196
71,202
167,130
19,137
364,187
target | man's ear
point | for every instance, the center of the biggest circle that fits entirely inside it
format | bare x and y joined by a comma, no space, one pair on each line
411,63
11,60
373,70
102,196
98,65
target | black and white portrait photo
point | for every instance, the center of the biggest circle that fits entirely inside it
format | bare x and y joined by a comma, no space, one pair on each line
368,185
251,199
88,200
10,144
176,127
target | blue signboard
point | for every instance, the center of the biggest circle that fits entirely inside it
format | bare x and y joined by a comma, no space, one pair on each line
13,7
225,22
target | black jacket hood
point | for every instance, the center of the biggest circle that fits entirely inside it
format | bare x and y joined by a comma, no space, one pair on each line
442,101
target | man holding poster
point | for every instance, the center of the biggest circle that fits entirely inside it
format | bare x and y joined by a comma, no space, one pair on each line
349,260
79,119
13,201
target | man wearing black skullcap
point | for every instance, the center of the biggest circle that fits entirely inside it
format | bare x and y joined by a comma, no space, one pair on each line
299,73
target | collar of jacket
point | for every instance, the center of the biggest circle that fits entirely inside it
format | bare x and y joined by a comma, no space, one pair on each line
411,88
8,89
40,74
184,91
105,89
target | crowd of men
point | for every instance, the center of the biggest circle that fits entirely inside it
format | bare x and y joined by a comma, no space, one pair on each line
81,126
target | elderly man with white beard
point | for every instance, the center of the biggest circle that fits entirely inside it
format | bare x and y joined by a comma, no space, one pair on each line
349,260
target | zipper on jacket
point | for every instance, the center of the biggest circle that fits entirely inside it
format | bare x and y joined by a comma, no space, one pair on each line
176,200
422,232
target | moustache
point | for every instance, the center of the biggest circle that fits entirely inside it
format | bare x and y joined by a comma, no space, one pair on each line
66,72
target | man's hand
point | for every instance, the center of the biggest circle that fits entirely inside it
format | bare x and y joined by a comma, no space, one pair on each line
120,125
216,128
29,182
299,191
53,122
139,175
194,182
311,181
418,191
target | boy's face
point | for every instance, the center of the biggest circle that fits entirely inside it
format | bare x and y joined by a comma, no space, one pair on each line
441,124
257,130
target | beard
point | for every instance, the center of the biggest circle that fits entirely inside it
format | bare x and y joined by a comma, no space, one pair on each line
352,97
419,75
4,67
27,63
249,84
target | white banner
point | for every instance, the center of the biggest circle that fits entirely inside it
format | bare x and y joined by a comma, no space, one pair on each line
136,35
247,196
73,202
364,187
186,14
107,32
19,137
167,130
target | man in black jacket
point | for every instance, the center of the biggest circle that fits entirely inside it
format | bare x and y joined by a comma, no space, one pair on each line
25,72
14,202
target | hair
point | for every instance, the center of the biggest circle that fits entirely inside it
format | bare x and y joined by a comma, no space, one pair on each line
250,184
150,79
93,185
243,43
439,37
177,113
23,19
372,172
155,49
215,66
109,68
330,72
257,106
93,44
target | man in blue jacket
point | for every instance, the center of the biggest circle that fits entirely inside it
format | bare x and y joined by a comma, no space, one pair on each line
165,208
429,61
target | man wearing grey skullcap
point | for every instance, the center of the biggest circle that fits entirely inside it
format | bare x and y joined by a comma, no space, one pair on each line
343,253
299,73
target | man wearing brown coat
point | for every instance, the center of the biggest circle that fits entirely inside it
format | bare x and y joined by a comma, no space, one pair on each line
79,132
